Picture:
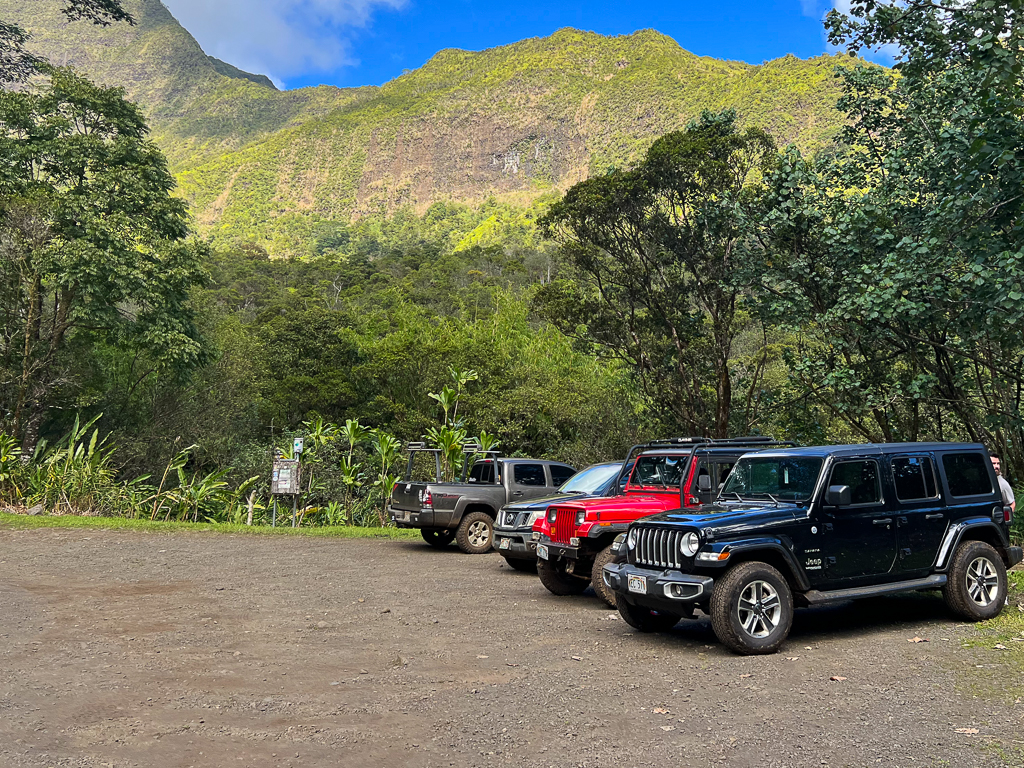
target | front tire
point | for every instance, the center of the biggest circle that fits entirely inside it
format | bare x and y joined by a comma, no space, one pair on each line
437,537
558,582
976,587
475,533
752,609
604,557
644,619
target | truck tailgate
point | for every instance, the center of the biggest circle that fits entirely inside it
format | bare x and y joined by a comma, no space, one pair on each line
407,496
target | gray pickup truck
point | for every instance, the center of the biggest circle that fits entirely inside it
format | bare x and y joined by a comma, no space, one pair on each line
465,511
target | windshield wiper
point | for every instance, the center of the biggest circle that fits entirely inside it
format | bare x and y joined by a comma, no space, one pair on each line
734,493
776,501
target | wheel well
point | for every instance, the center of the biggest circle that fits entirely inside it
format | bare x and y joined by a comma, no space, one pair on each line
987,535
772,558
479,508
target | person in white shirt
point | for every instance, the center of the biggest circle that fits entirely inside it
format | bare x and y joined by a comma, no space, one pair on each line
1004,486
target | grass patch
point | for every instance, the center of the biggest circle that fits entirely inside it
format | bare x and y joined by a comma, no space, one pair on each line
25,522
1008,625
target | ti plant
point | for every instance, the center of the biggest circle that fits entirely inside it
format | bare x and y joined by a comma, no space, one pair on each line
387,451
353,434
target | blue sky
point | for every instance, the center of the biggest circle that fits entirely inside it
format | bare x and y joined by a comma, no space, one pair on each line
368,42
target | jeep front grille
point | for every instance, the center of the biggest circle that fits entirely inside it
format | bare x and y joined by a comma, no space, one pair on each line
658,548
565,525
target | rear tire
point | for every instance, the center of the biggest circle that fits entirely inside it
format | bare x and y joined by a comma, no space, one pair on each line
475,533
976,587
752,609
604,557
644,619
522,564
438,538
554,577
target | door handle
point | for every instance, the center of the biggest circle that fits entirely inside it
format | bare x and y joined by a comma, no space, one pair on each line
517,493
936,516
883,521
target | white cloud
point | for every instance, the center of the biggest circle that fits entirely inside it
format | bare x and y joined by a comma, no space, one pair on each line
279,38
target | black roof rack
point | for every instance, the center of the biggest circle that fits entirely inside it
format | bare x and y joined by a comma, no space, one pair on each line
421,447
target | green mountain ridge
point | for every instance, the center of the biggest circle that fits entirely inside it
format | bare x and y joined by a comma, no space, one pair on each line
512,123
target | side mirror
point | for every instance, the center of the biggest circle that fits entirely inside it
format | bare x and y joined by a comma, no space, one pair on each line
838,496
704,482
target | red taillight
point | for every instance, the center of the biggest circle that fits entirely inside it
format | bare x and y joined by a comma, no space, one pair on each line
1007,514
428,500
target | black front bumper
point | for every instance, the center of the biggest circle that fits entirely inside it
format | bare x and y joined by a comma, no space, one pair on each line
1014,555
667,590
520,544
554,551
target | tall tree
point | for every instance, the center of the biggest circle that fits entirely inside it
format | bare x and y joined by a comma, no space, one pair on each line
17,63
900,257
93,246
654,255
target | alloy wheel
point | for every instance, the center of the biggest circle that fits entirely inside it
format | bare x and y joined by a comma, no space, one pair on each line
479,533
982,581
759,609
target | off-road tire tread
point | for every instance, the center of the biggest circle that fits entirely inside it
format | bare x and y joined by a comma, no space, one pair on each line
722,605
462,533
955,590
604,557
643,619
559,582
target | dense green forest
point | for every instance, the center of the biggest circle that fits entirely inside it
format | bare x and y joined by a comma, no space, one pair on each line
869,289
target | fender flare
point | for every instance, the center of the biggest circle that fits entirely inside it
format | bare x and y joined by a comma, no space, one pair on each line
747,547
955,535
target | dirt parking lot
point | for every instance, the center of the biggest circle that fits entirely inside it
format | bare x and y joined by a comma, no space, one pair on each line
125,649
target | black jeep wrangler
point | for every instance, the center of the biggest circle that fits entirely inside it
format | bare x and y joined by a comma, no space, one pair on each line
808,526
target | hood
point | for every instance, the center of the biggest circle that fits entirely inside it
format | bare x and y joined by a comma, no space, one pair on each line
535,504
633,504
725,515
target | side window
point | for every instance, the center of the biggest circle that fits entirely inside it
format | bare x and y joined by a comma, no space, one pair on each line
862,477
482,472
529,474
560,473
914,477
967,474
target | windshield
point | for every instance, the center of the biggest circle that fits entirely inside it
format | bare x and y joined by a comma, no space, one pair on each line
792,479
659,472
591,480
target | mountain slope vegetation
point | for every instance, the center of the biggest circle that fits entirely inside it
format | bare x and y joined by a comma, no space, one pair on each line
513,122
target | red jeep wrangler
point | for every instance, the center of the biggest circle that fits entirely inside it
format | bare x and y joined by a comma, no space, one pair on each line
574,538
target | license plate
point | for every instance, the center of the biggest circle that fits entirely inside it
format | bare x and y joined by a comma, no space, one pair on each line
542,552
637,584
505,544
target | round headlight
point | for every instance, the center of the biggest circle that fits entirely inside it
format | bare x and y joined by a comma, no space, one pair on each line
690,544
580,516
631,539
552,514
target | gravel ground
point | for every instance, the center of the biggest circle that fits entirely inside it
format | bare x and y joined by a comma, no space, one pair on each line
126,649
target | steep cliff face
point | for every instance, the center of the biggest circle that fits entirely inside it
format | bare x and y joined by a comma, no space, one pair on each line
512,122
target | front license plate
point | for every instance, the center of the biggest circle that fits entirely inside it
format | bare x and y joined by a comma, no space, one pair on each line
542,552
505,544
638,584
